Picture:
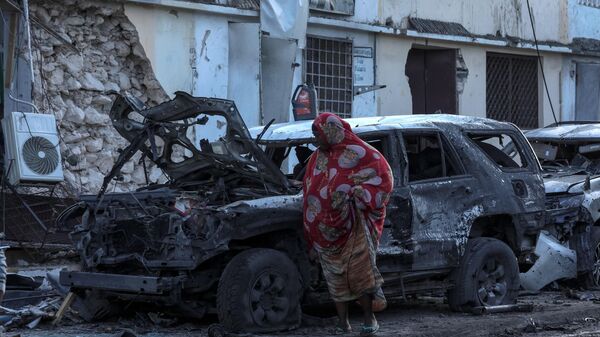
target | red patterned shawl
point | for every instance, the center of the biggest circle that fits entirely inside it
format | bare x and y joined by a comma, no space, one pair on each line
348,181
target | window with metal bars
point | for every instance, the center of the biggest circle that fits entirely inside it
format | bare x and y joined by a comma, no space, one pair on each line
333,6
328,66
512,89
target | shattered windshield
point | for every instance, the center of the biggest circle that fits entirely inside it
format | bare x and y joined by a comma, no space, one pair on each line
555,156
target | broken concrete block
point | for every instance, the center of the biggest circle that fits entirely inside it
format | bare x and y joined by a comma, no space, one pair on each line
89,82
124,81
102,100
74,64
94,145
74,113
93,117
57,78
75,137
111,86
127,167
74,21
73,84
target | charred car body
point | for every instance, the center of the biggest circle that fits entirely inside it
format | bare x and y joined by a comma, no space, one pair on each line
569,153
224,233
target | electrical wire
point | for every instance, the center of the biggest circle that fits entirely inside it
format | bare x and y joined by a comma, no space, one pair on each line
537,49
28,30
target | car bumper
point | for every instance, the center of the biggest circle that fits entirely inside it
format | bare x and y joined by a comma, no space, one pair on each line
136,284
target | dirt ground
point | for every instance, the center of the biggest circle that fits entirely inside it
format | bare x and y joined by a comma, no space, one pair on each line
554,314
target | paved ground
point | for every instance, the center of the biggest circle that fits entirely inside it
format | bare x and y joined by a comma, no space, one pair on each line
554,314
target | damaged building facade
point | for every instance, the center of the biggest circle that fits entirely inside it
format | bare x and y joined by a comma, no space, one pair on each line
469,57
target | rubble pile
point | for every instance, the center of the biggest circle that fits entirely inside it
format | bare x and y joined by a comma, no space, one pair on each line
76,87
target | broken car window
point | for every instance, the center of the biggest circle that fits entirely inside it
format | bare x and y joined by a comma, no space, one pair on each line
580,155
500,148
429,157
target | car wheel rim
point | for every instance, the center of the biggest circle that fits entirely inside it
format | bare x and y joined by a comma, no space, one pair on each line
492,284
596,269
268,301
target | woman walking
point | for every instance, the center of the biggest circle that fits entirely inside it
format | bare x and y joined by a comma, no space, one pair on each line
346,188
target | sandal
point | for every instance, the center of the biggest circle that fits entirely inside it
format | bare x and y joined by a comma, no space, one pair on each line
368,331
341,331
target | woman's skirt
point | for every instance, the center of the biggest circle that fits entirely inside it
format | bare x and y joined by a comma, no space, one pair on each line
351,271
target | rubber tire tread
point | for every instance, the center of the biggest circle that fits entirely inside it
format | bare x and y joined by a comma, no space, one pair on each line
463,296
233,307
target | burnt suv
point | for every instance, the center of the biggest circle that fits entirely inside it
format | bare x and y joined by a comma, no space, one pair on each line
224,234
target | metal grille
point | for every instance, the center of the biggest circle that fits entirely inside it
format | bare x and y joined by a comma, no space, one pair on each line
590,3
512,89
21,227
328,65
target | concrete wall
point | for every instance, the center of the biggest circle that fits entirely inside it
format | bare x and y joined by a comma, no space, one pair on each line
396,98
189,51
483,17
584,20
167,39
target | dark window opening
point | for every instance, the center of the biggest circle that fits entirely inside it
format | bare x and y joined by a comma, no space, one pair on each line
429,157
512,89
500,148
328,66
432,79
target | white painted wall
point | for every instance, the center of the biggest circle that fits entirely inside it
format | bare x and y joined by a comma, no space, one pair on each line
365,11
189,51
482,17
397,99
553,66
212,56
584,21
167,38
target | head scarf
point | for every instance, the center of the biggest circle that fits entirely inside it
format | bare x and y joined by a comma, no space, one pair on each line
348,179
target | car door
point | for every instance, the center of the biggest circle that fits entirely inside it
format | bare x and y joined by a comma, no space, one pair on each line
391,256
438,196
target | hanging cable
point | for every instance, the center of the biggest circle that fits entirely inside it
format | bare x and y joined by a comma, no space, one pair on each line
28,29
537,49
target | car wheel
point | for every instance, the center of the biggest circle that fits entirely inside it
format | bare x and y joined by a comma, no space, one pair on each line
259,291
591,279
488,275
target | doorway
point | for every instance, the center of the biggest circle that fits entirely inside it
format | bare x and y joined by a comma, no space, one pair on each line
432,78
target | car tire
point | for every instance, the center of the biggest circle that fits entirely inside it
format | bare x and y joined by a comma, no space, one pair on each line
488,275
259,291
591,279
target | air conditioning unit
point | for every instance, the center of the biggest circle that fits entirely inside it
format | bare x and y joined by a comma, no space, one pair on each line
32,151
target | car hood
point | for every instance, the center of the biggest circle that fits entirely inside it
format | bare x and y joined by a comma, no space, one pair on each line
557,183
569,180
194,140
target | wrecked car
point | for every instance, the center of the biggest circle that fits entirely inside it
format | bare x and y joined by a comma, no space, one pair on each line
569,153
224,234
